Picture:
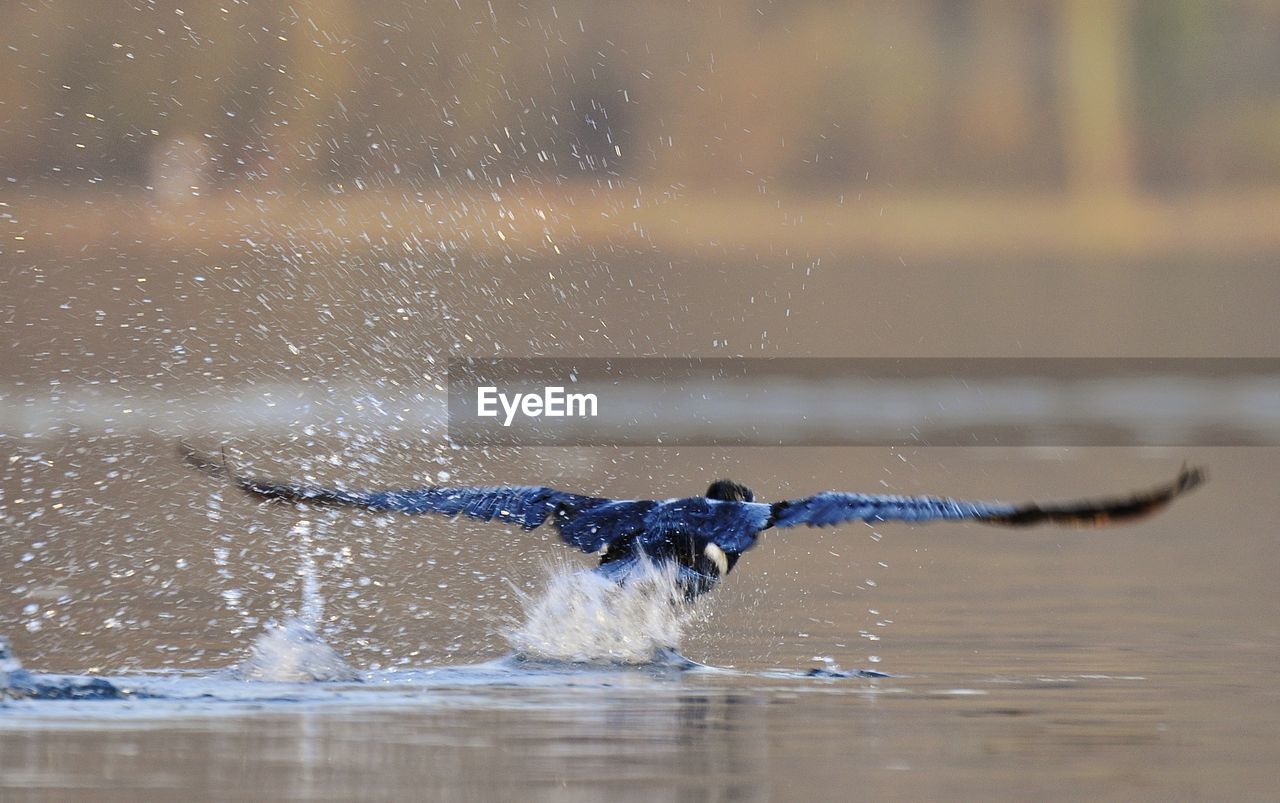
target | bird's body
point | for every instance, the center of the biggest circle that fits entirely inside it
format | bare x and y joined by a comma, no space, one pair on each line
704,536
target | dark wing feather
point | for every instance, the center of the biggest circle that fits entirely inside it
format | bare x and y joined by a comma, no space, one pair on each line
831,508
605,522
586,522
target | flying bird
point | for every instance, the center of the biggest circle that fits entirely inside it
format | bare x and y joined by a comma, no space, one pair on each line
704,536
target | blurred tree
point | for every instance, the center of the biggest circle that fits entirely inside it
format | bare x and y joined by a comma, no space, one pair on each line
999,87
1103,97
1096,97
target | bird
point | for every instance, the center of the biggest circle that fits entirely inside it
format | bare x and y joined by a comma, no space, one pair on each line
702,536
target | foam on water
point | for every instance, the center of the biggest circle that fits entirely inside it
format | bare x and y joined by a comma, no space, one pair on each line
294,650
584,617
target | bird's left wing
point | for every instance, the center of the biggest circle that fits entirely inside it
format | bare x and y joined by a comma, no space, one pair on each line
526,506
834,507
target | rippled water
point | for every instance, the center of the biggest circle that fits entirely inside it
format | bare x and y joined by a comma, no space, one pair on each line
503,730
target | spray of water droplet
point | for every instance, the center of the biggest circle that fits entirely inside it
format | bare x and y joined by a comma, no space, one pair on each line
294,650
584,617
9,664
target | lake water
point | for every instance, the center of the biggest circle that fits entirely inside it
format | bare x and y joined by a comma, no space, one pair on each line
1128,663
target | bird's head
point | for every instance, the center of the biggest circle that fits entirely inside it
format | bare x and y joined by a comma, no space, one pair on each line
730,491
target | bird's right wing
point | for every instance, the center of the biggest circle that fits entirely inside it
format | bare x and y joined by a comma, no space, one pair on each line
586,522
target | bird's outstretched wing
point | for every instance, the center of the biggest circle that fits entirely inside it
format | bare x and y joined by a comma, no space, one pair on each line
833,507
586,522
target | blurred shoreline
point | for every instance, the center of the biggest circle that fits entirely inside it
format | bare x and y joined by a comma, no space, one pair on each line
534,219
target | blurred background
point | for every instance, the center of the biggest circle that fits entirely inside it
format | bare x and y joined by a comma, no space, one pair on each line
1094,99
1047,127
270,224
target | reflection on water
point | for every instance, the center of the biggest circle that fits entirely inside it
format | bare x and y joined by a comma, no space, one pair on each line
629,736
504,732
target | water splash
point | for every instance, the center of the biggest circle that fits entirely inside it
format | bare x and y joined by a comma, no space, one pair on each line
584,617
9,663
294,650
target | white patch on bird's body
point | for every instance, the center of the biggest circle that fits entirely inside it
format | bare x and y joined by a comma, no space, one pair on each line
716,555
